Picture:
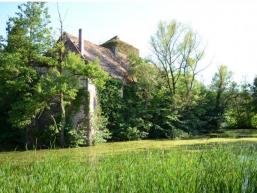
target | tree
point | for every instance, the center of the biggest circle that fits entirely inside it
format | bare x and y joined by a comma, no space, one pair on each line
177,51
224,90
28,39
239,110
145,75
220,83
59,87
31,29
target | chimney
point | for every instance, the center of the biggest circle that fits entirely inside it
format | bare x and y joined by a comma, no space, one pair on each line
81,42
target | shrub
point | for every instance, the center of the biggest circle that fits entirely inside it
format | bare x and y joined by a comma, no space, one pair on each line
254,121
75,137
133,133
100,122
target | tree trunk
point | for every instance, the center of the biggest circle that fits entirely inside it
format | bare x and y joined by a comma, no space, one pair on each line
62,122
30,135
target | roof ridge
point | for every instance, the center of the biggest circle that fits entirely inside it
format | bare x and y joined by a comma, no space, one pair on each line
113,38
75,46
116,66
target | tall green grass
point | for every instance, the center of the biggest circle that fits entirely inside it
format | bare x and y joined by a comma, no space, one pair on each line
199,168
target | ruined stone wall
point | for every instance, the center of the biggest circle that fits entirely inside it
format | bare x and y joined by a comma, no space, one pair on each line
82,109
92,108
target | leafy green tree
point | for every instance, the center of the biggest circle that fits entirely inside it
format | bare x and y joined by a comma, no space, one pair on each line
240,110
28,39
112,104
177,52
254,121
146,82
29,33
224,90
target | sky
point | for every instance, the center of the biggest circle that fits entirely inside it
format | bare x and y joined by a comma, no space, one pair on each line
227,28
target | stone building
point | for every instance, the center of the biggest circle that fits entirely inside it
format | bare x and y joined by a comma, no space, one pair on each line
112,56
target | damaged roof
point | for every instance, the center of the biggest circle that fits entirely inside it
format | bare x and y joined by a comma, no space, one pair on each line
122,47
115,65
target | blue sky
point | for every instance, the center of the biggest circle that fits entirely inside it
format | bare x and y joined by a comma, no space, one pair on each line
228,28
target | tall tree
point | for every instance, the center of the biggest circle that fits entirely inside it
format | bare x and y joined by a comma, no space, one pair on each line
177,51
29,33
240,109
224,90
28,39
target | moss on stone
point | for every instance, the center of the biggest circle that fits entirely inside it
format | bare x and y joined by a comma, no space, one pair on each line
82,99
120,46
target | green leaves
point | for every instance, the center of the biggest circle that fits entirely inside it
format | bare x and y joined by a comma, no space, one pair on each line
74,63
94,72
30,29
28,40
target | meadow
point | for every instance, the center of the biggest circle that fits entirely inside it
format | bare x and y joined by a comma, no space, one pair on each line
196,165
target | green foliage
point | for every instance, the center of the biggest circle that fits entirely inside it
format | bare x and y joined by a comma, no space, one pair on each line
132,133
94,72
75,138
179,134
177,52
63,79
144,108
111,103
254,121
254,94
28,39
224,89
99,123
31,29
240,110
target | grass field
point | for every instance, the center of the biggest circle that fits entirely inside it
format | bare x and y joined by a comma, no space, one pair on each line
199,165
235,133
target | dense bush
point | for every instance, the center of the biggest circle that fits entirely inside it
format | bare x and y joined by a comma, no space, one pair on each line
254,121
